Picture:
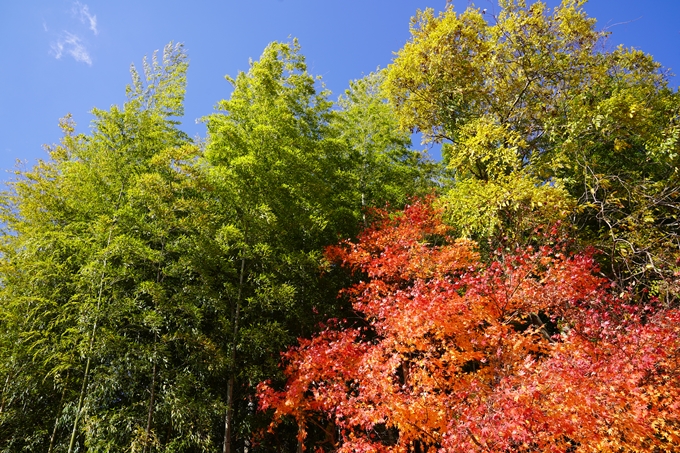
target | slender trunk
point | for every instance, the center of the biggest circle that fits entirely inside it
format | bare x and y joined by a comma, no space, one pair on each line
56,420
229,417
80,402
91,345
362,186
151,401
147,436
250,412
300,441
89,360
4,389
87,367
168,433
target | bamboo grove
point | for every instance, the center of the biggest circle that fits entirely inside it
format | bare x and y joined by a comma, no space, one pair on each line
303,278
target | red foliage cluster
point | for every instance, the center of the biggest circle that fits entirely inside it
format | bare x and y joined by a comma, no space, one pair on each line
530,352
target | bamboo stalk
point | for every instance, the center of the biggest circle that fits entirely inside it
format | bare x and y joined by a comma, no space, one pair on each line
228,419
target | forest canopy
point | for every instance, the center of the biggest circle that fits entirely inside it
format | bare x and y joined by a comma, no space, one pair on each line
303,277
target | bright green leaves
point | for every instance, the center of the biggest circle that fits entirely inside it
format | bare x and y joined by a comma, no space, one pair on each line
164,86
485,150
103,260
505,210
269,146
274,166
533,93
382,166
460,79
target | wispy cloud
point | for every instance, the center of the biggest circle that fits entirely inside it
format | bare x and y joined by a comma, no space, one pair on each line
83,13
70,42
72,45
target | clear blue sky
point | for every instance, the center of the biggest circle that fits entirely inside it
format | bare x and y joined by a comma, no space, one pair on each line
64,56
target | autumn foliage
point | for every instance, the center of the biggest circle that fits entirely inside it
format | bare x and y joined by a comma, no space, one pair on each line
532,351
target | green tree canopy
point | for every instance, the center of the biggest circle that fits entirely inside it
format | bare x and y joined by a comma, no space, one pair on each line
384,168
538,93
277,171
104,325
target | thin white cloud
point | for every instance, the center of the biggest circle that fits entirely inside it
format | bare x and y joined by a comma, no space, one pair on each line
72,45
57,49
83,13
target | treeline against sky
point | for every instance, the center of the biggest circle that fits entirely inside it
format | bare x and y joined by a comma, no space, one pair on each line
520,295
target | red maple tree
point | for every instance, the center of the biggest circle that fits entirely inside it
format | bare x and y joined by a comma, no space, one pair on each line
528,352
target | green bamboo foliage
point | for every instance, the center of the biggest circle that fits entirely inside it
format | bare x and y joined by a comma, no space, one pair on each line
148,283
101,289
385,169
274,166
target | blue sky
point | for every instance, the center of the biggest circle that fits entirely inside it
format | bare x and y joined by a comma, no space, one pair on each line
62,56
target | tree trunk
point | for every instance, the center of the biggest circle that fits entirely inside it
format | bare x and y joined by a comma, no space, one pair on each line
4,389
80,399
147,436
91,346
229,417
56,420
300,441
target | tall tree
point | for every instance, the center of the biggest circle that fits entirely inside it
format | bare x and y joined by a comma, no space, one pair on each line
114,329
535,93
292,176
275,167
